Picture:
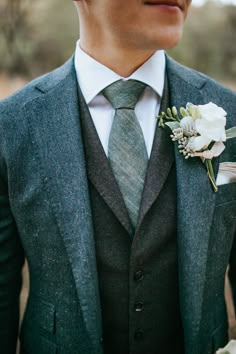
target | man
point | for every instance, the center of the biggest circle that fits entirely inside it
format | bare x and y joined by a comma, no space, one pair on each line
126,242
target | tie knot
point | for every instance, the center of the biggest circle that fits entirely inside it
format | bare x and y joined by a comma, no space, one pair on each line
124,94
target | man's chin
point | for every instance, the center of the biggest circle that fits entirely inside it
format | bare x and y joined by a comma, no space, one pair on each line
169,40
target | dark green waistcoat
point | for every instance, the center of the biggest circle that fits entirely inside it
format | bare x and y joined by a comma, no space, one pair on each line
138,273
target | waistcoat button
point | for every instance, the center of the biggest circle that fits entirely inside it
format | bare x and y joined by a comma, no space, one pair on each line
139,335
139,275
138,306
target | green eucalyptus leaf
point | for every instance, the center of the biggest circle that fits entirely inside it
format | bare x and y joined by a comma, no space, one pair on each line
174,111
173,125
169,112
231,133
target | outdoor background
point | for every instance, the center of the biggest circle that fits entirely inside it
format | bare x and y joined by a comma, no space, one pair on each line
37,36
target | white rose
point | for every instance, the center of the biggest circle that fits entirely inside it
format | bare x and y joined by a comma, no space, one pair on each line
211,111
187,123
198,143
212,122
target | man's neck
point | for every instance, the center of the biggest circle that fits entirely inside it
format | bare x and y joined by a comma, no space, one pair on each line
123,61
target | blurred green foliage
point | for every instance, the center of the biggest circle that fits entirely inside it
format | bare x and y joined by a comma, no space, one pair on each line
36,37
208,43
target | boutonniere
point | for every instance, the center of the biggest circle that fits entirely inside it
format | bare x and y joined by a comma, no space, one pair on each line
199,131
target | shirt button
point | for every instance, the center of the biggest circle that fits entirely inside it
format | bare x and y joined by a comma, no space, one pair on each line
138,306
139,335
139,275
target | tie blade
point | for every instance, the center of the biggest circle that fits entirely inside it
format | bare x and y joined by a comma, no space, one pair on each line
128,158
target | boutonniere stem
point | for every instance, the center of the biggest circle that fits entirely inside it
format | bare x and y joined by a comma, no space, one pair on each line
210,173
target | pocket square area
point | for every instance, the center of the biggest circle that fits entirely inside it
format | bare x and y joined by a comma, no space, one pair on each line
227,173
230,348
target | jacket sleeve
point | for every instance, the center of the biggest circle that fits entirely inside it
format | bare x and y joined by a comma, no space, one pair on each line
232,271
11,262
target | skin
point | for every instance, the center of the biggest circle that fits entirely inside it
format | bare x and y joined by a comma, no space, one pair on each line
123,34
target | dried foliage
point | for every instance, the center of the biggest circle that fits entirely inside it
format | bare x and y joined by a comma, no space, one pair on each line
37,36
14,29
208,44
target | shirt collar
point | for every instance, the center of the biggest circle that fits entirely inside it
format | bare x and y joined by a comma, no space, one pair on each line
93,76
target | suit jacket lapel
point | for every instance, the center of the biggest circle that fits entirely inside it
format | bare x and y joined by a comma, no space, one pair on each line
195,207
161,159
99,170
56,137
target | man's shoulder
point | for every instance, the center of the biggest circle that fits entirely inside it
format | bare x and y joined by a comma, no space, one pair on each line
210,89
197,79
14,104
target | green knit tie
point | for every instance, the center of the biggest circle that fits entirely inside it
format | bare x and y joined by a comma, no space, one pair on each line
127,151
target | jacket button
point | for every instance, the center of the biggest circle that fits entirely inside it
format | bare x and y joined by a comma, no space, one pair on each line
139,275
138,306
139,335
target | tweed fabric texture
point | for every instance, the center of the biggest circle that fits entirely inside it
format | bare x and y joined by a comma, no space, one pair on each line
127,151
45,208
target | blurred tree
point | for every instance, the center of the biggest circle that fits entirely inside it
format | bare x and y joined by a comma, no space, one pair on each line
14,25
208,41
37,36
56,31
228,41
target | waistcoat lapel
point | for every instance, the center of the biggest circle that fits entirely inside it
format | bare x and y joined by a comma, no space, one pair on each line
195,207
54,125
161,159
99,170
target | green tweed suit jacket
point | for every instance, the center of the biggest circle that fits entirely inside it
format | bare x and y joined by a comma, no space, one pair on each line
45,217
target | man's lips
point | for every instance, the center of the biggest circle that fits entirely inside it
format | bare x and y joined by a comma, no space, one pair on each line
171,3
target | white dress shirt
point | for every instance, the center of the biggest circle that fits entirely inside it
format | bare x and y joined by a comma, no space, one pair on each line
93,77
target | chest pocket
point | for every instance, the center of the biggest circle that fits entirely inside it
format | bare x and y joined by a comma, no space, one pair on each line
226,194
